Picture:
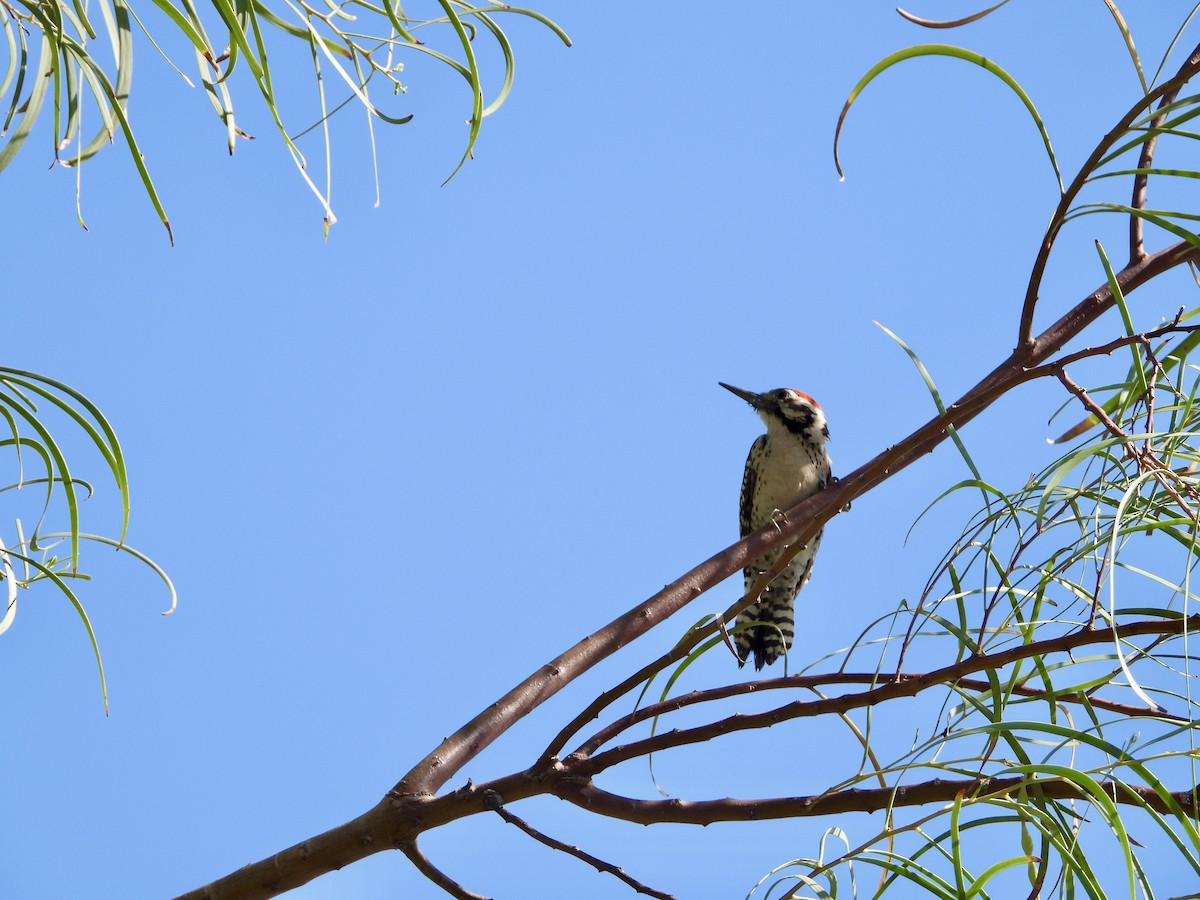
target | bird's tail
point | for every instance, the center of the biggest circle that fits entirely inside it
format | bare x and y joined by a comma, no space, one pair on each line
771,635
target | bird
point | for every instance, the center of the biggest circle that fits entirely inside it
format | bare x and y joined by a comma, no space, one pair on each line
787,464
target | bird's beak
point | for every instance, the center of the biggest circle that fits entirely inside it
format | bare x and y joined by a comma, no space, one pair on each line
750,397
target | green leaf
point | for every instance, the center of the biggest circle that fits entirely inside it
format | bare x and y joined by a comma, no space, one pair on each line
954,53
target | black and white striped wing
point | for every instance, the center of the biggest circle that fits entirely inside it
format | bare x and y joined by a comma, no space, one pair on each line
748,485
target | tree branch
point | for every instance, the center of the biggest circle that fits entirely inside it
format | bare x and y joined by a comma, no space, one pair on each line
1142,179
339,847
436,875
641,676
797,682
891,690
707,812
496,804
1185,73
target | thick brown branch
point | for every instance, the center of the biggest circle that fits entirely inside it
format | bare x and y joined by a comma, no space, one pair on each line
369,833
397,821
455,751
707,812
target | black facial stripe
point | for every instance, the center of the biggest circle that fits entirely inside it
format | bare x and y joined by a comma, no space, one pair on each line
800,425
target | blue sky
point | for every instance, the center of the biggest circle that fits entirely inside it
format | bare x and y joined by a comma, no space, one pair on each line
393,472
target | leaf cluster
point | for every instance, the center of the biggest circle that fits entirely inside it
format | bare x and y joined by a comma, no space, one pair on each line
40,464
53,60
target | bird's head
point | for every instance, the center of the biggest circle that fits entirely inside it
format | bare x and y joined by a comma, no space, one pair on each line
788,410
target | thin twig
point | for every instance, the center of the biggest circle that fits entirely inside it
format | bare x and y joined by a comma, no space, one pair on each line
1095,409
1151,386
496,804
1141,181
811,682
1169,328
885,692
939,790
1026,543
1185,73
436,875
1148,461
607,698
1101,573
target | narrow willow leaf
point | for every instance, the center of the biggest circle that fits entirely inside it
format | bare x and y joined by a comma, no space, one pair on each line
9,578
951,431
955,23
61,472
476,85
907,868
32,106
509,62
1088,787
955,53
1129,47
79,611
136,554
532,14
1175,173
1171,46
103,435
1139,372
11,40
